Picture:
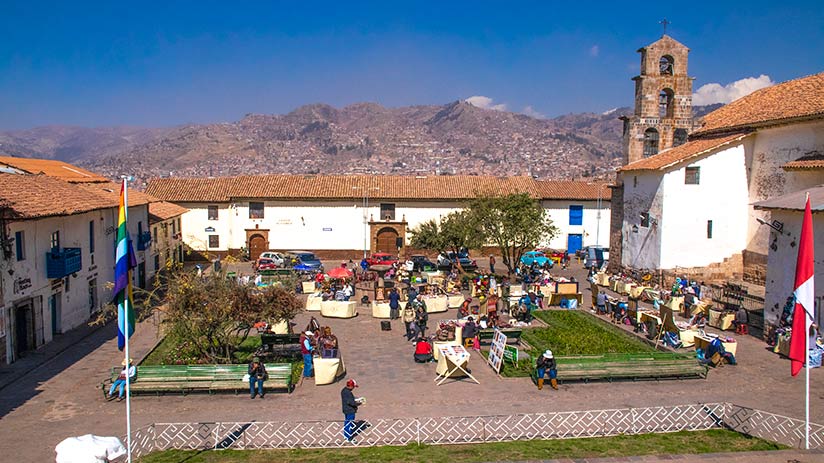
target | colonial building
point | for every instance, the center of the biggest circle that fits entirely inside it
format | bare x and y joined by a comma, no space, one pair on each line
166,246
371,213
786,214
692,205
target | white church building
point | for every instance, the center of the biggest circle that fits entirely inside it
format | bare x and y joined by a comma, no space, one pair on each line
360,213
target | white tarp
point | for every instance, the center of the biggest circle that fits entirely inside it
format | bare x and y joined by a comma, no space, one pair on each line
89,449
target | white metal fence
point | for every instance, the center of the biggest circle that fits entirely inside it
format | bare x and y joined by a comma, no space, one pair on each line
470,429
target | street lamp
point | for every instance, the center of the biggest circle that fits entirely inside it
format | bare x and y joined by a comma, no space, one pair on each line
365,216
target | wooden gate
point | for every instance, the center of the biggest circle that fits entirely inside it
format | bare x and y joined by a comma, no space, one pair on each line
386,240
257,245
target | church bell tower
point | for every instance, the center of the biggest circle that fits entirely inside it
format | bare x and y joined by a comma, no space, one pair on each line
663,101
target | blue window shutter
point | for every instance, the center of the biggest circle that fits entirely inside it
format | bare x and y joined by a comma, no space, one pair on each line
576,215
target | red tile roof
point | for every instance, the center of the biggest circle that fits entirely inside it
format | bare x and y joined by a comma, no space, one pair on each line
796,100
224,189
689,150
162,210
811,162
52,168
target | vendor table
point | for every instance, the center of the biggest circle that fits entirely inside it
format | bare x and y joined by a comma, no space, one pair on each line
645,316
703,342
452,363
639,315
636,291
622,287
380,309
454,301
602,279
313,302
555,299
722,321
327,369
338,309
308,287
688,337
281,327
436,303
675,303
431,275
458,341
547,290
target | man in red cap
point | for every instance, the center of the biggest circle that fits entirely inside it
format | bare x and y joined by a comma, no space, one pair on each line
350,407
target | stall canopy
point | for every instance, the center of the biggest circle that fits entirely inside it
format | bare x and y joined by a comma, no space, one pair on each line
339,272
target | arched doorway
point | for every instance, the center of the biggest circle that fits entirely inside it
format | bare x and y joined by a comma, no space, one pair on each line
257,245
386,240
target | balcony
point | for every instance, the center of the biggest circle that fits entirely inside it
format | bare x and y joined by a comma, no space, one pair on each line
63,262
143,241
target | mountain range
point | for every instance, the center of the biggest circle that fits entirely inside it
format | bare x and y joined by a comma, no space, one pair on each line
364,138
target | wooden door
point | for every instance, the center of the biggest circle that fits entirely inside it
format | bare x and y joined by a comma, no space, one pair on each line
387,241
257,245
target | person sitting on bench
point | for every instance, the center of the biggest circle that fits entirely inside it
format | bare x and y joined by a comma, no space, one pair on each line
470,331
546,362
423,351
121,380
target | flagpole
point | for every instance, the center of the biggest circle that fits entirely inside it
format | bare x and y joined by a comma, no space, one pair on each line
126,328
807,357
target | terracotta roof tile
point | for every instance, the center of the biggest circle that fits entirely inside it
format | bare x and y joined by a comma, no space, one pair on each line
111,192
162,210
32,196
802,98
814,161
224,189
688,150
52,168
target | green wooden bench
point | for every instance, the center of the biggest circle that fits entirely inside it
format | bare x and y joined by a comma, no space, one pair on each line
200,378
512,335
653,365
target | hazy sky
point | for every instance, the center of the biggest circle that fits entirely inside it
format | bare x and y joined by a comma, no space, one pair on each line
169,63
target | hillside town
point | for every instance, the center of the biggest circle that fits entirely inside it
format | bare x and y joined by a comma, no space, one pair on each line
650,274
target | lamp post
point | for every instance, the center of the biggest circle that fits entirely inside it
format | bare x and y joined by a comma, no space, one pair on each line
365,215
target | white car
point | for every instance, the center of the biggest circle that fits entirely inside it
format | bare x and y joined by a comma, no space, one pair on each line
276,257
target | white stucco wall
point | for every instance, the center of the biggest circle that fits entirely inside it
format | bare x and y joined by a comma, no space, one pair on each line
643,192
340,224
781,263
74,299
772,148
593,230
721,196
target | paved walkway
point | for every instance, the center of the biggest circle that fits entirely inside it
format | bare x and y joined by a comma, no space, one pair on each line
60,397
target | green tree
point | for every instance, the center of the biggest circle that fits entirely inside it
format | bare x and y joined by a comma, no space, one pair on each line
515,223
456,231
214,315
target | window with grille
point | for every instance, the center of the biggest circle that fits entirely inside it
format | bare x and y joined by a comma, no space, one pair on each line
255,210
679,137
214,241
387,211
692,175
576,215
212,212
650,142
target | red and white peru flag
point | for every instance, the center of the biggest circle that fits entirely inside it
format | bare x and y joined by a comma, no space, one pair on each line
804,295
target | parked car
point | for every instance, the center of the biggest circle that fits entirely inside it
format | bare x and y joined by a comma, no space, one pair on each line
538,257
265,264
276,257
421,263
308,259
381,258
595,256
446,260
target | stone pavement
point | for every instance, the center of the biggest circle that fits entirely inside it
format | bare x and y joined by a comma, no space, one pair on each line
61,396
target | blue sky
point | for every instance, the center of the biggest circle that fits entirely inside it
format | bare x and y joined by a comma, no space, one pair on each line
170,63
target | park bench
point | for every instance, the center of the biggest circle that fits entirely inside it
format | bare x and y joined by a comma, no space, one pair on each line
200,378
279,345
653,365
512,335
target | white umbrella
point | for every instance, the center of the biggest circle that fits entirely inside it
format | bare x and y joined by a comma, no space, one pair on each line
89,449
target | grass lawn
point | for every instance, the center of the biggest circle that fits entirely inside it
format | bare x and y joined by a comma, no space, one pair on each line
695,442
571,332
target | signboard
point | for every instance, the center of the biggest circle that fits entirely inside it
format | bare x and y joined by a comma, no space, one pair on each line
496,351
21,284
209,229
327,228
511,354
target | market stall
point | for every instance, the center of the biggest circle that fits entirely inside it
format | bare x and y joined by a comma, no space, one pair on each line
703,342
721,319
453,301
380,309
436,303
327,370
338,309
313,302
452,363
449,333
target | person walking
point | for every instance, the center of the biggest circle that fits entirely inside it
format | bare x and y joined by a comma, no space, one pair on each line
257,375
394,304
408,318
492,263
546,362
421,318
306,349
350,407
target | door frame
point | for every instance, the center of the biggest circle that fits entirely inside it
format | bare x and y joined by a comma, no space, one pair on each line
581,244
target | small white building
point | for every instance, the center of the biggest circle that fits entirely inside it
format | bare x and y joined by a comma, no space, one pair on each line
367,213
787,214
691,206
166,247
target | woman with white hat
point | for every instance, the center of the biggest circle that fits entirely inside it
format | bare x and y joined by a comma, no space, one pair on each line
547,362
121,380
